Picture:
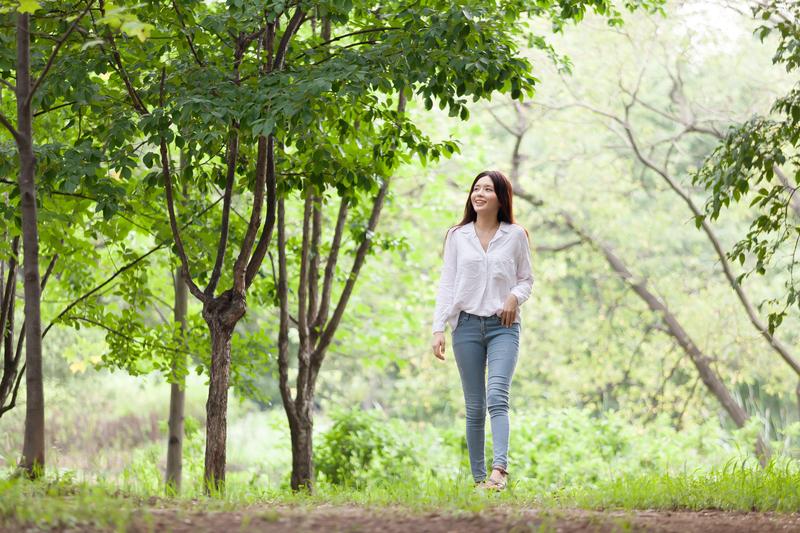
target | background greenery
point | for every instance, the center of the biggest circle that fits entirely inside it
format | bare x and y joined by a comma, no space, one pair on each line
600,394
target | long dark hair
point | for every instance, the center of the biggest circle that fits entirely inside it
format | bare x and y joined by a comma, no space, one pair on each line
505,196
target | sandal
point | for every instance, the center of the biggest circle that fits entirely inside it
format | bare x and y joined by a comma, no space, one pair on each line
497,485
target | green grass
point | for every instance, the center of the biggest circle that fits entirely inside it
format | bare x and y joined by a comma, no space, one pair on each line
738,486
63,503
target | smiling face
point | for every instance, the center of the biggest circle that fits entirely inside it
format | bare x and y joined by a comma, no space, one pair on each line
483,196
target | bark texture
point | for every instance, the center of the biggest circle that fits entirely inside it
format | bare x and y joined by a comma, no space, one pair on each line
33,459
177,398
221,314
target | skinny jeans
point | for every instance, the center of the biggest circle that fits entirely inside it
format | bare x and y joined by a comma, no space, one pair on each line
480,342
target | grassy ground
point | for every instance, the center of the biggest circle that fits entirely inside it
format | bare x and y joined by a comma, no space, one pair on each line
66,502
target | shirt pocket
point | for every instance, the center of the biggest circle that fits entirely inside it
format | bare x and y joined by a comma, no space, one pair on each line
503,268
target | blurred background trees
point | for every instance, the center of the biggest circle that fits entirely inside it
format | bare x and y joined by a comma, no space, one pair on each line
623,119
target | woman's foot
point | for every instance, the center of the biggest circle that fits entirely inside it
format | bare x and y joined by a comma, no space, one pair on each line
497,479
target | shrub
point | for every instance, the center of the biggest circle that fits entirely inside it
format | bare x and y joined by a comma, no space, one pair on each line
363,446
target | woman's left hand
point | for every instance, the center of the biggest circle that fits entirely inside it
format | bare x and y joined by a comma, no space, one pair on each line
509,312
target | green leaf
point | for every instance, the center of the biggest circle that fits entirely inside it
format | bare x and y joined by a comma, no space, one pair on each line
28,6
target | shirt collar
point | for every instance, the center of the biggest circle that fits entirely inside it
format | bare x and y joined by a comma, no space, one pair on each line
468,229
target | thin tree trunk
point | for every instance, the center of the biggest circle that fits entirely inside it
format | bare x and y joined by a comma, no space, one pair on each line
797,394
33,459
177,396
221,315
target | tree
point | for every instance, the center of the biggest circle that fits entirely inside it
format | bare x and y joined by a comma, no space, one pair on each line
25,90
759,160
277,97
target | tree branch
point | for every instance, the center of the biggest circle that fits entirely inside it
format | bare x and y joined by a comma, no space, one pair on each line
21,339
233,150
137,103
122,335
283,330
313,272
240,267
44,111
10,127
186,33
5,303
778,346
302,289
330,267
54,53
269,223
560,247
173,224
291,29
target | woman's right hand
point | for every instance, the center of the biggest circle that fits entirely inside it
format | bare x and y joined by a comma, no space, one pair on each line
438,345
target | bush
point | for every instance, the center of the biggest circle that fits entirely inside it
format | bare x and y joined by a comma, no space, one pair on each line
363,446
572,447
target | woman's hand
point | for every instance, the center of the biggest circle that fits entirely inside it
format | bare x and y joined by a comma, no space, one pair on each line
438,345
509,312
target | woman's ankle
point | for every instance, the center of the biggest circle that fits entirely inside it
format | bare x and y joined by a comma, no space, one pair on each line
500,469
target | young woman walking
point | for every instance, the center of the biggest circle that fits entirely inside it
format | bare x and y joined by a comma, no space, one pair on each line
486,276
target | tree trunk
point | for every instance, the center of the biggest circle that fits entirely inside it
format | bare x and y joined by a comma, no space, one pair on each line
301,427
33,447
176,397
221,314
797,394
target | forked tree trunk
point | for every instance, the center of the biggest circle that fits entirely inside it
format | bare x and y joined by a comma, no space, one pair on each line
177,397
33,459
221,314
315,328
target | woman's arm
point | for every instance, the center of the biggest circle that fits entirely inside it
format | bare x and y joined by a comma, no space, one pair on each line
447,280
522,289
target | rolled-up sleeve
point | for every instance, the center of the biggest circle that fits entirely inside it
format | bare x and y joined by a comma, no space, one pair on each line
524,285
444,297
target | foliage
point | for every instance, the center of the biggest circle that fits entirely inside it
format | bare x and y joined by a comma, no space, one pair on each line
760,161
361,447
570,447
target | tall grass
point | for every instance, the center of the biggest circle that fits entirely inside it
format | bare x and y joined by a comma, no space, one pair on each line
740,485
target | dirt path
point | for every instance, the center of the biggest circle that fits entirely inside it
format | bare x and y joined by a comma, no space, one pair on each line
354,519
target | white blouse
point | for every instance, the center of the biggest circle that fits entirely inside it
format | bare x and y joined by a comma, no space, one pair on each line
479,282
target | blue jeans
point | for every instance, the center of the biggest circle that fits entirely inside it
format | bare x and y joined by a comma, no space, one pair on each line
477,341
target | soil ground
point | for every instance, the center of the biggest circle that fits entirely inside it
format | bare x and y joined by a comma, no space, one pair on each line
356,519
351,519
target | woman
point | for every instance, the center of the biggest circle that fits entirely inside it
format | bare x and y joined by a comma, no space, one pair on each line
485,278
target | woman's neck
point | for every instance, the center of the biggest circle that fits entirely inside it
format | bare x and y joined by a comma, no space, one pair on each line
487,221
